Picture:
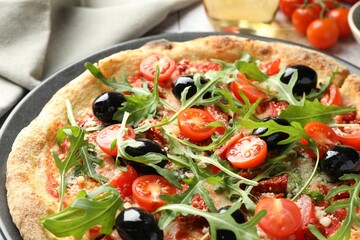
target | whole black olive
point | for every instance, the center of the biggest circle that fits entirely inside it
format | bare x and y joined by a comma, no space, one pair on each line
106,104
272,139
307,78
339,160
238,216
137,224
145,146
183,82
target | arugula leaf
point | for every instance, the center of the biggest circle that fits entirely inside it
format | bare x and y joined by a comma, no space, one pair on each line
351,204
123,86
95,208
313,112
76,136
87,165
251,71
223,221
140,106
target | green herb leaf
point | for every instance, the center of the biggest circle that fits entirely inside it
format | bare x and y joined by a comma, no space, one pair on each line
77,141
221,221
313,112
251,71
87,210
87,166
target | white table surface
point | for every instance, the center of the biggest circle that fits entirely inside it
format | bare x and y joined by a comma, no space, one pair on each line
193,19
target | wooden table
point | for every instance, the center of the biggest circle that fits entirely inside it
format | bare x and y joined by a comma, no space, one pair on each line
193,19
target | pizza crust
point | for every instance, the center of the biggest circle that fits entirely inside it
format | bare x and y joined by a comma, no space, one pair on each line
28,199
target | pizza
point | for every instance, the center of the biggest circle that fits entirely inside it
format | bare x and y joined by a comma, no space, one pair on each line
221,137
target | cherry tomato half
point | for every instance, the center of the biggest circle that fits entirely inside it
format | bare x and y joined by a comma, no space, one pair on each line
147,189
288,6
221,152
322,33
219,116
251,92
271,68
332,96
323,135
193,124
248,152
123,181
107,136
165,63
302,17
340,15
283,217
349,136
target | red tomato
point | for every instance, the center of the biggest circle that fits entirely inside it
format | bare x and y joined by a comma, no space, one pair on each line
329,4
251,92
193,124
340,15
166,65
248,152
289,6
234,139
283,217
302,17
270,68
332,96
323,135
147,189
322,33
219,116
349,136
123,181
107,136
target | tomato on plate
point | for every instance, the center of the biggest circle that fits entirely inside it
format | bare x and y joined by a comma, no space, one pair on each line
146,191
340,15
193,124
283,217
322,33
349,136
123,181
219,116
107,136
165,63
271,68
332,96
247,152
251,92
221,152
322,134
302,17
288,6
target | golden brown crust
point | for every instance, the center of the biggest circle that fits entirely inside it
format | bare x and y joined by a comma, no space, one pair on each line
350,92
27,196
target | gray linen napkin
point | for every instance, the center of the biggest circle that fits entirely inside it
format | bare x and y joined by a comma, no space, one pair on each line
38,37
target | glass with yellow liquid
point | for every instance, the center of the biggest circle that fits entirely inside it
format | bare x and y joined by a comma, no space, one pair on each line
246,16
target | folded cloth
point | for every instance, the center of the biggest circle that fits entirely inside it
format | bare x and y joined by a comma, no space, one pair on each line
38,37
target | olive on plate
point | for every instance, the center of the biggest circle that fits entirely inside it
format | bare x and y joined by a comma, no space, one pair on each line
272,139
143,147
137,224
183,82
238,216
106,104
306,80
339,160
